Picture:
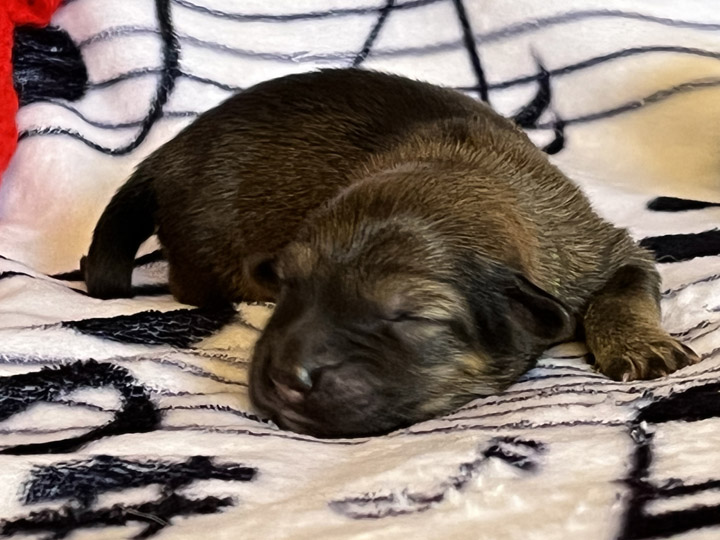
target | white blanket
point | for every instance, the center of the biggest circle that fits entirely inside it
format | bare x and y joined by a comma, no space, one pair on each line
130,417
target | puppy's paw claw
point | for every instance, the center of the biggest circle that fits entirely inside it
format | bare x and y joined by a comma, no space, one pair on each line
642,360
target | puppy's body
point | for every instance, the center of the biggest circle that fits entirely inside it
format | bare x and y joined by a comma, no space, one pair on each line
261,161
372,195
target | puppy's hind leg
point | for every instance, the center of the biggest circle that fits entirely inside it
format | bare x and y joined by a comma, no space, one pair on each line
623,330
195,286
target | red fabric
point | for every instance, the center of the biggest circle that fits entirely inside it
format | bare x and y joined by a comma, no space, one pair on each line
14,13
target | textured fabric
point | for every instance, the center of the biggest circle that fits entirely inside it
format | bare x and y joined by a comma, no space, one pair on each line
130,417
15,13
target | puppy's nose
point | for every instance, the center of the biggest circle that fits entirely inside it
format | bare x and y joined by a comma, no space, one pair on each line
292,385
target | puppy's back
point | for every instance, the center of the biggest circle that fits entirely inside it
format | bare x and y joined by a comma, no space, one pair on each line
241,179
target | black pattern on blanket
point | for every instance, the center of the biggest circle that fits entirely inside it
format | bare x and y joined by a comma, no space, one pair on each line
134,413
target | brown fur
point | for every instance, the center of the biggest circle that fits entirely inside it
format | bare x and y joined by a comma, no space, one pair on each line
421,249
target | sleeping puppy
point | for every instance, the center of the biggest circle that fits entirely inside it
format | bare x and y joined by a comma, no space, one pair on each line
421,251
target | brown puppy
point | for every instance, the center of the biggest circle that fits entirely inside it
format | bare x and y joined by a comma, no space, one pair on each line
422,251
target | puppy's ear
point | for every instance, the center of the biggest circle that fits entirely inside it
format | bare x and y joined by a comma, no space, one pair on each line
511,313
260,270
537,312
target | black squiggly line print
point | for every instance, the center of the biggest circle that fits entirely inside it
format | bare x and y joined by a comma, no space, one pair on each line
310,15
683,247
374,33
81,482
137,413
519,453
673,204
470,43
695,404
166,83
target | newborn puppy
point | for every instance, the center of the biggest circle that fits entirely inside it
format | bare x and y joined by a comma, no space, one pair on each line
421,250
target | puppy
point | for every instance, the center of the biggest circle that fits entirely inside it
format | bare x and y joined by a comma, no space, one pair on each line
421,251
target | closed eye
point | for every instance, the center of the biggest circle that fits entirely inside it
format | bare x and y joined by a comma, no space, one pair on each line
408,316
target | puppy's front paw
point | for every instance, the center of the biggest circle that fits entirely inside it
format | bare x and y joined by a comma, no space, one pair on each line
635,359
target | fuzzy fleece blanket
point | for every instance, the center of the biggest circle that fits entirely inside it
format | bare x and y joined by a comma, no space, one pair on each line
130,418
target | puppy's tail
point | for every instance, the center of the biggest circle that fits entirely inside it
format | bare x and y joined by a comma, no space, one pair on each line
126,223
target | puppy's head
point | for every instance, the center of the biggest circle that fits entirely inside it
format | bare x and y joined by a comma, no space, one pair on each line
382,323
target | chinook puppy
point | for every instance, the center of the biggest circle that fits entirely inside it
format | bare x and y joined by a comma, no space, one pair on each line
421,250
